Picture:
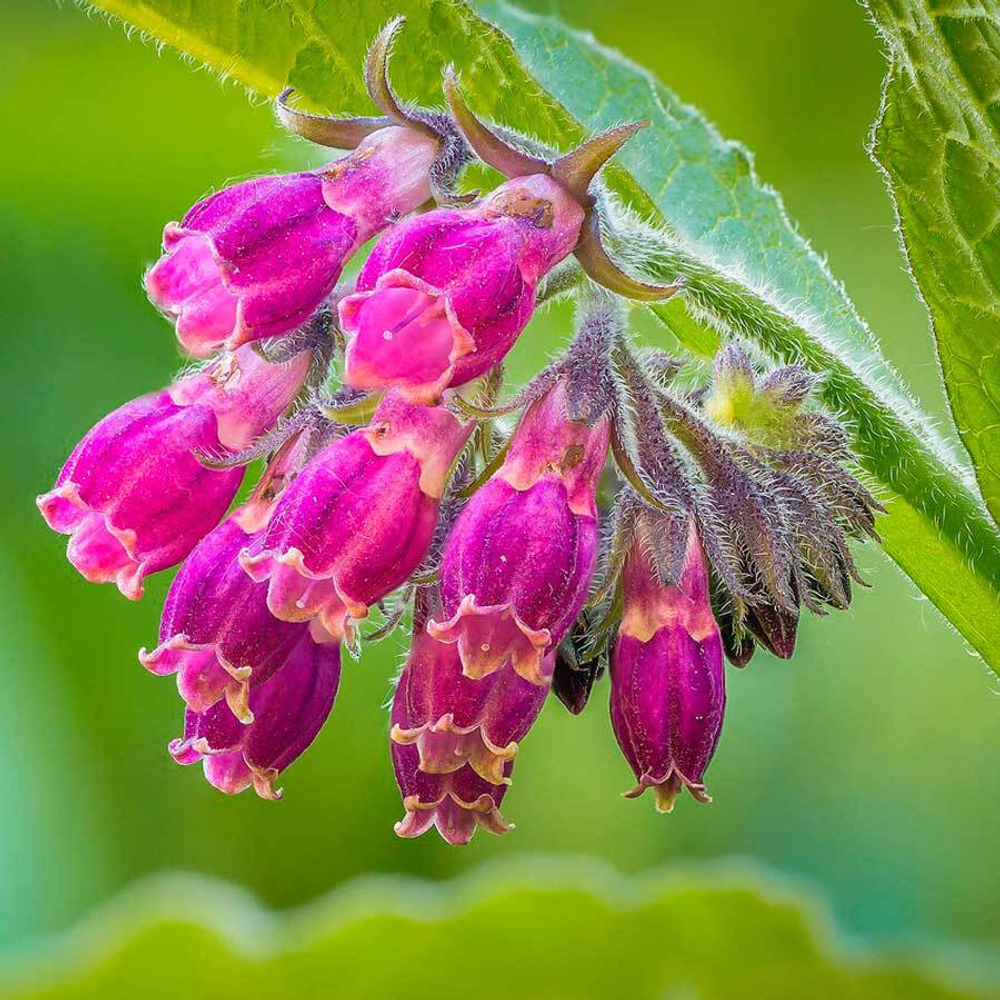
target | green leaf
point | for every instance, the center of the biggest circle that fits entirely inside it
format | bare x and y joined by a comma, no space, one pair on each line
937,139
705,215
542,930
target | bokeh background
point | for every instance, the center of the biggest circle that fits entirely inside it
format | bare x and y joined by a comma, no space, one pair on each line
869,766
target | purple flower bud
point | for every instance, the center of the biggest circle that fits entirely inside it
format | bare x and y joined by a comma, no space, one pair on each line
217,633
443,297
774,628
286,713
258,258
667,680
134,497
456,803
577,667
360,517
454,721
519,559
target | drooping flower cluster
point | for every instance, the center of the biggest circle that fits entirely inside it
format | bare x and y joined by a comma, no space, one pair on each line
617,523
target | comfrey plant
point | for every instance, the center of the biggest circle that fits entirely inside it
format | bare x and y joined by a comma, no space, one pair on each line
614,515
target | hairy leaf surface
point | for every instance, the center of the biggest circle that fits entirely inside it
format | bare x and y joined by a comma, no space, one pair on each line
938,141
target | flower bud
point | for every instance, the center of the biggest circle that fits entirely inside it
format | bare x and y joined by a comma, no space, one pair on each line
774,628
258,258
520,557
667,681
456,803
769,409
359,518
577,667
454,721
288,711
134,497
443,296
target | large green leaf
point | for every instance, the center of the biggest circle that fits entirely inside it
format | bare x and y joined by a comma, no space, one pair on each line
542,930
749,273
938,141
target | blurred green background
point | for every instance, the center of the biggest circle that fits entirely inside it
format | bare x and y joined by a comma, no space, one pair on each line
869,766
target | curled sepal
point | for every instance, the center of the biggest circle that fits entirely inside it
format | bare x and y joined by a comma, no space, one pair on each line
335,133
488,146
577,168
348,133
379,86
573,172
599,267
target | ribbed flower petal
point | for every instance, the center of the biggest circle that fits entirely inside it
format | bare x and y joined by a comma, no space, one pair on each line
443,297
667,679
258,258
287,712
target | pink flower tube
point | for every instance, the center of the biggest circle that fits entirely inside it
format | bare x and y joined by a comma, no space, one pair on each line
134,497
216,633
454,721
360,517
457,803
444,296
667,680
287,712
519,560
258,258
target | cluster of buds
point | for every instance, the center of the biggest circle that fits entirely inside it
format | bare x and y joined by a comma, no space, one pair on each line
601,519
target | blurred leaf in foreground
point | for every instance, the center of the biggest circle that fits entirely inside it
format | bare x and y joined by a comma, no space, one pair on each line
543,929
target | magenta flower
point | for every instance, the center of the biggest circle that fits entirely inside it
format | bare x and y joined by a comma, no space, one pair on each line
457,803
443,296
258,258
134,497
360,517
454,721
286,713
706,505
216,633
519,559
667,682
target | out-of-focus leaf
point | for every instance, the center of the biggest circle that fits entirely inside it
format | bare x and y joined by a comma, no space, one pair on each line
937,139
749,272
543,930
